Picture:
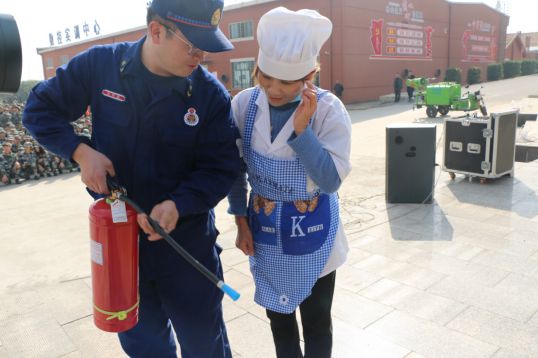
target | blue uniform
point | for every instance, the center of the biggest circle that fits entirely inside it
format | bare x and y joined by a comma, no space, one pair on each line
168,138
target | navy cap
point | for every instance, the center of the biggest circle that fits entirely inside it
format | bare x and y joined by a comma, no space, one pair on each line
198,20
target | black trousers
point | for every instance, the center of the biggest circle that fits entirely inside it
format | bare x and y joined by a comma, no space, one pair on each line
316,320
410,91
397,94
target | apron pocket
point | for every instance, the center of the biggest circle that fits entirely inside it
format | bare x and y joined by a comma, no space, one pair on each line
262,221
305,225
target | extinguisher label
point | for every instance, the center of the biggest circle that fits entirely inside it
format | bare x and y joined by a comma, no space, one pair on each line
97,252
119,212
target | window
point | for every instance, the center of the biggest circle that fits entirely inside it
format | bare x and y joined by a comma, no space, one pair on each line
241,31
50,63
242,73
64,59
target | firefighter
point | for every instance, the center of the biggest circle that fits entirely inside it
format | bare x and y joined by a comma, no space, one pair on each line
161,124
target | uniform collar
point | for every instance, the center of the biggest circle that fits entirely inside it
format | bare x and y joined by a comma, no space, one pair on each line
131,59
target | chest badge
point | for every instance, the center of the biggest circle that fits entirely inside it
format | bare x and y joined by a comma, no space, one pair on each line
191,118
115,96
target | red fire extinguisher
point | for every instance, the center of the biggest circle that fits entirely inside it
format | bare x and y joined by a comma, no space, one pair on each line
114,256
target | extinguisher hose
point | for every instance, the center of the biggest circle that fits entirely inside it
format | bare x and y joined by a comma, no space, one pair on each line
233,294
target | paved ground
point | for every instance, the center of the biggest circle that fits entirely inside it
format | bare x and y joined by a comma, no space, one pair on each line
457,278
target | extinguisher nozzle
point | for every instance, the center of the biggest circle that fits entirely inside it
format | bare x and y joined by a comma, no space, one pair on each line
234,295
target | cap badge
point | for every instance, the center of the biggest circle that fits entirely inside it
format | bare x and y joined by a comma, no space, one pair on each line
191,118
215,19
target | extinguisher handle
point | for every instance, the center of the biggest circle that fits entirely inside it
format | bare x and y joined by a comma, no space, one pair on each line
112,183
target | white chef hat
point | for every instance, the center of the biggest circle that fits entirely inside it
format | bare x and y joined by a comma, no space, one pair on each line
290,42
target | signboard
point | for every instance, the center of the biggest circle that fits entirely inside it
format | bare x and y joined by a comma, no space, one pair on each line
406,39
61,37
479,42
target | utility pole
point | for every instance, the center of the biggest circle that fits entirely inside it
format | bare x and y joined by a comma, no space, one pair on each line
502,6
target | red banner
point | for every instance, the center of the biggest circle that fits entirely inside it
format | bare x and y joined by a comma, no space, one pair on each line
377,36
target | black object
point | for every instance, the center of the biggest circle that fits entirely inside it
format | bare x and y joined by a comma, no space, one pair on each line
481,147
10,54
522,118
410,163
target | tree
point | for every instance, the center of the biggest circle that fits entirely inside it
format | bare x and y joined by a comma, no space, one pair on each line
22,93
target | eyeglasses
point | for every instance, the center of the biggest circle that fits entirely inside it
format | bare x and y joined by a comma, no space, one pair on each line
193,51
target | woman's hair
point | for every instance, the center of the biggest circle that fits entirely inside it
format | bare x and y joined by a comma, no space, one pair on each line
257,70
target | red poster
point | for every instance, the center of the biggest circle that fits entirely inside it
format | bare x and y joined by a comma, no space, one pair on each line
465,42
402,34
479,42
377,36
428,31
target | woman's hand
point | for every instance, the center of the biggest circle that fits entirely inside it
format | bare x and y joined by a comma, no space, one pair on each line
244,241
306,108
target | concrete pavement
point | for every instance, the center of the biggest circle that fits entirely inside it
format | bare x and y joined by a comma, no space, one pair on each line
457,278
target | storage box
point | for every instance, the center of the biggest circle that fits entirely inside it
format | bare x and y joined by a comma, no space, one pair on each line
481,147
443,94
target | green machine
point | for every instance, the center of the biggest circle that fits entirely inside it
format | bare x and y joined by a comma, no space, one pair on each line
443,97
418,83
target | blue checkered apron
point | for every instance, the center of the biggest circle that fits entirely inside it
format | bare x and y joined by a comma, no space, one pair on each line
293,230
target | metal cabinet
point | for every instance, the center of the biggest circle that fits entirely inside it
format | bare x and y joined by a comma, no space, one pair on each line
481,147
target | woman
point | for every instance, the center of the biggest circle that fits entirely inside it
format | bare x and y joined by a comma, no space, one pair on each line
295,142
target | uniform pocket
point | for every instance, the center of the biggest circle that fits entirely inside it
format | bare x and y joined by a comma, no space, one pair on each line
112,111
176,149
176,136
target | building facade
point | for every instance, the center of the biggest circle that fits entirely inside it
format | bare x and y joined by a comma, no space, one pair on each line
522,46
370,43
515,48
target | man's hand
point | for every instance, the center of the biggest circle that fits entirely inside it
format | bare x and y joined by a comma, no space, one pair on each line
94,167
165,214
